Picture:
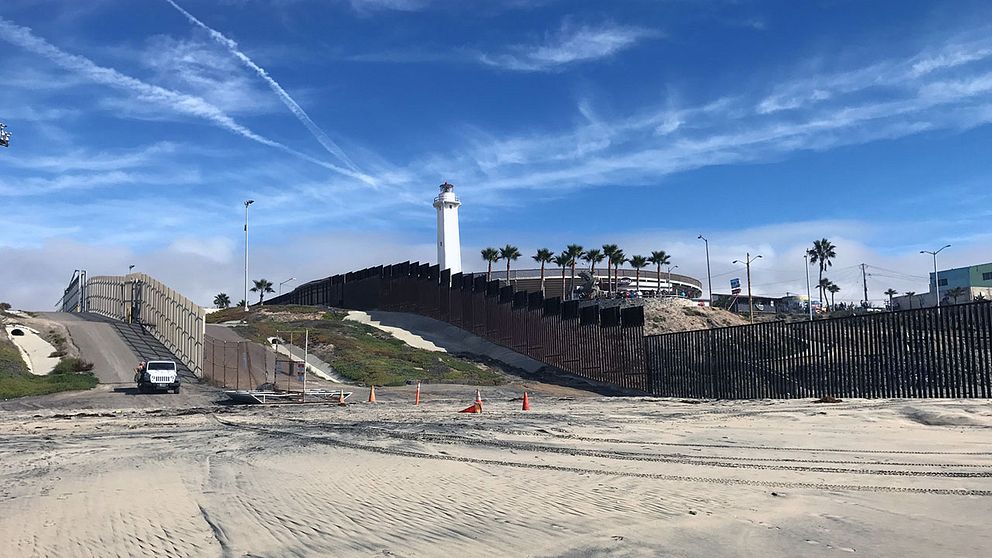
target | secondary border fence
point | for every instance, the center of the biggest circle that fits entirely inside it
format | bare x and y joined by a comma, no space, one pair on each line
74,296
915,353
177,322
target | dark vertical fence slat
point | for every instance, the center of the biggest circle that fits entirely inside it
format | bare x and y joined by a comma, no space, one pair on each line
981,367
949,374
983,347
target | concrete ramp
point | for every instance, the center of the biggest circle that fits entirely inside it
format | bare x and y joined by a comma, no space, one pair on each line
430,334
112,346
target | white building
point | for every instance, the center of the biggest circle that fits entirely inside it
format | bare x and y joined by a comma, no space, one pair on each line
449,248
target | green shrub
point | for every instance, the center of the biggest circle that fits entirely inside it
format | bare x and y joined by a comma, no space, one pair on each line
72,365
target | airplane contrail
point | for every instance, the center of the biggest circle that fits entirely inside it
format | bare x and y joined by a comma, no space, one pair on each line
179,102
291,104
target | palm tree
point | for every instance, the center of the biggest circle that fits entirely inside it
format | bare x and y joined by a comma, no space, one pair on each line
834,289
222,301
242,303
608,251
822,252
261,287
618,259
980,297
592,257
562,260
508,253
823,285
543,256
638,262
891,293
490,255
957,292
659,258
573,251
910,294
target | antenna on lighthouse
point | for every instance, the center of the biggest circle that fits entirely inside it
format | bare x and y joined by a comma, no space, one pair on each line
449,249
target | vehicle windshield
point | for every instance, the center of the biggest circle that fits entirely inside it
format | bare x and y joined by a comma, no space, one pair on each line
161,366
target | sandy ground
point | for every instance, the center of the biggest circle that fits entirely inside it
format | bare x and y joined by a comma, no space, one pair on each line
35,350
403,335
576,476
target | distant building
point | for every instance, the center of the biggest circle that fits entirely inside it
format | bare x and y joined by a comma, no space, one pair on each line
682,286
789,304
968,283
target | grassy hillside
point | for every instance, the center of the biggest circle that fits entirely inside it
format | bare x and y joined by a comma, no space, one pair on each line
357,351
16,381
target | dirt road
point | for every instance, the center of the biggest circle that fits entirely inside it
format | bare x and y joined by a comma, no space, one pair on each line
99,343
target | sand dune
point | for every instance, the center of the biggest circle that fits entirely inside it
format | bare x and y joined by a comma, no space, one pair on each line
574,477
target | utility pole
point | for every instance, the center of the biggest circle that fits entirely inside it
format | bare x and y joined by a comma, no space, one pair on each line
247,203
864,279
284,282
750,300
809,292
936,277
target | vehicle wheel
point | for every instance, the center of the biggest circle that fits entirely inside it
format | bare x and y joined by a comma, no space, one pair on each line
177,390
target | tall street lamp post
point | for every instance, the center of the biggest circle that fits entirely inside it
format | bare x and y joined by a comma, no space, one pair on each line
247,203
809,292
709,278
284,282
750,300
936,277
670,285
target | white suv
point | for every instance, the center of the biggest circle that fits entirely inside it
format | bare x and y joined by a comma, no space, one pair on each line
158,374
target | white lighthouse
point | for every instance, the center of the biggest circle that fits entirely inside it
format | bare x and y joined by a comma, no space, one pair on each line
449,247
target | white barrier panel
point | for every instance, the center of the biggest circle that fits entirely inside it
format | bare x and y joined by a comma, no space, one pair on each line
172,318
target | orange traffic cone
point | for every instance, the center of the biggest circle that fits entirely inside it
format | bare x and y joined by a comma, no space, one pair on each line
478,397
417,400
372,395
474,408
341,402
526,402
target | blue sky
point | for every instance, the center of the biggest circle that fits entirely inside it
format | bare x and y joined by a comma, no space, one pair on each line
139,127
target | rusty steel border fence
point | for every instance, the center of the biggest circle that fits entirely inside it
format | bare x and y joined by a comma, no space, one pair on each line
605,345
921,353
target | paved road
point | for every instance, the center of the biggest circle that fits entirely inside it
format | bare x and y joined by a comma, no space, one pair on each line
99,343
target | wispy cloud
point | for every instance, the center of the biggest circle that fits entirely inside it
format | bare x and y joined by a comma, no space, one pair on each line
175,101
363,6
882,100
84,159
571,44
287,100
